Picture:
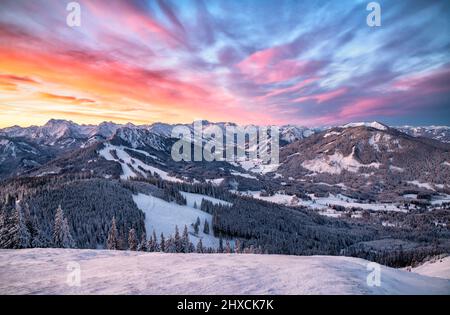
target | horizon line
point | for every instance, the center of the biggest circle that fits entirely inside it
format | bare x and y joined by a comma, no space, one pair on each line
219,122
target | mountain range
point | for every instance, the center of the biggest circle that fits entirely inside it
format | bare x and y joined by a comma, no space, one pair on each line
334,154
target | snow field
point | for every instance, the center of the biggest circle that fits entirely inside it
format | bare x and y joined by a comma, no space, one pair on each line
49,271
162,217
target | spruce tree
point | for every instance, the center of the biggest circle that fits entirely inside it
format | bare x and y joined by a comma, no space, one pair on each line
162,244
113,236
142,247
170,245
177,241
15,233
185,241
197,225
200,247
151,244
33,228
237,246
227,247
206,227
61,232
155,242
220,250
132,240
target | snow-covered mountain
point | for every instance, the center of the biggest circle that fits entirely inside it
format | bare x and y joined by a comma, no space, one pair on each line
368,159
440,133
373,124
43,271
291,133
18,155
60,137
57,132
363,151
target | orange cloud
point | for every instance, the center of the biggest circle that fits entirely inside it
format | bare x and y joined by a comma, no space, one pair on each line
71,99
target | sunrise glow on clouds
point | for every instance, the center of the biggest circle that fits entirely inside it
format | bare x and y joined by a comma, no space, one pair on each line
261,61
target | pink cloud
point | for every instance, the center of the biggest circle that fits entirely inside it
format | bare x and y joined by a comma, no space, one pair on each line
260,59
292,89
132,20
322,97
367,107
270,66
424,83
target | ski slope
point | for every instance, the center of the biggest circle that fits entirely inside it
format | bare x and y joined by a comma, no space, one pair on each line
54,271
130,166
162,217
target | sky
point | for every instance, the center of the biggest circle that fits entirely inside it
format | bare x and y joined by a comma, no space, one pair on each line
311,63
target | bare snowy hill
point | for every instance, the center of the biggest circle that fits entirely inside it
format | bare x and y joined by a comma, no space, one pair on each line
47,271
438,267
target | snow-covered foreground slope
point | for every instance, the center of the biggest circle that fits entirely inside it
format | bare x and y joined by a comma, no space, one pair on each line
47,271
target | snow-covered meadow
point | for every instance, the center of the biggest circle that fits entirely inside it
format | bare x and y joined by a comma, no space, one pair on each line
323,204
74,271
162,216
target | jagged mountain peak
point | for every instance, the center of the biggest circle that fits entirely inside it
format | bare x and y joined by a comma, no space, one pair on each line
139,138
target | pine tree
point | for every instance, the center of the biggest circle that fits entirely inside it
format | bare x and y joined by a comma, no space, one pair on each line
206,227
170,245
191,248
142,247
132,240
151,244
15,233
197,225
220,244
61,232
227,247
33,228
113,236
200,247
185,241
162,244
177,241
2,218
237,246
155,242
121,240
